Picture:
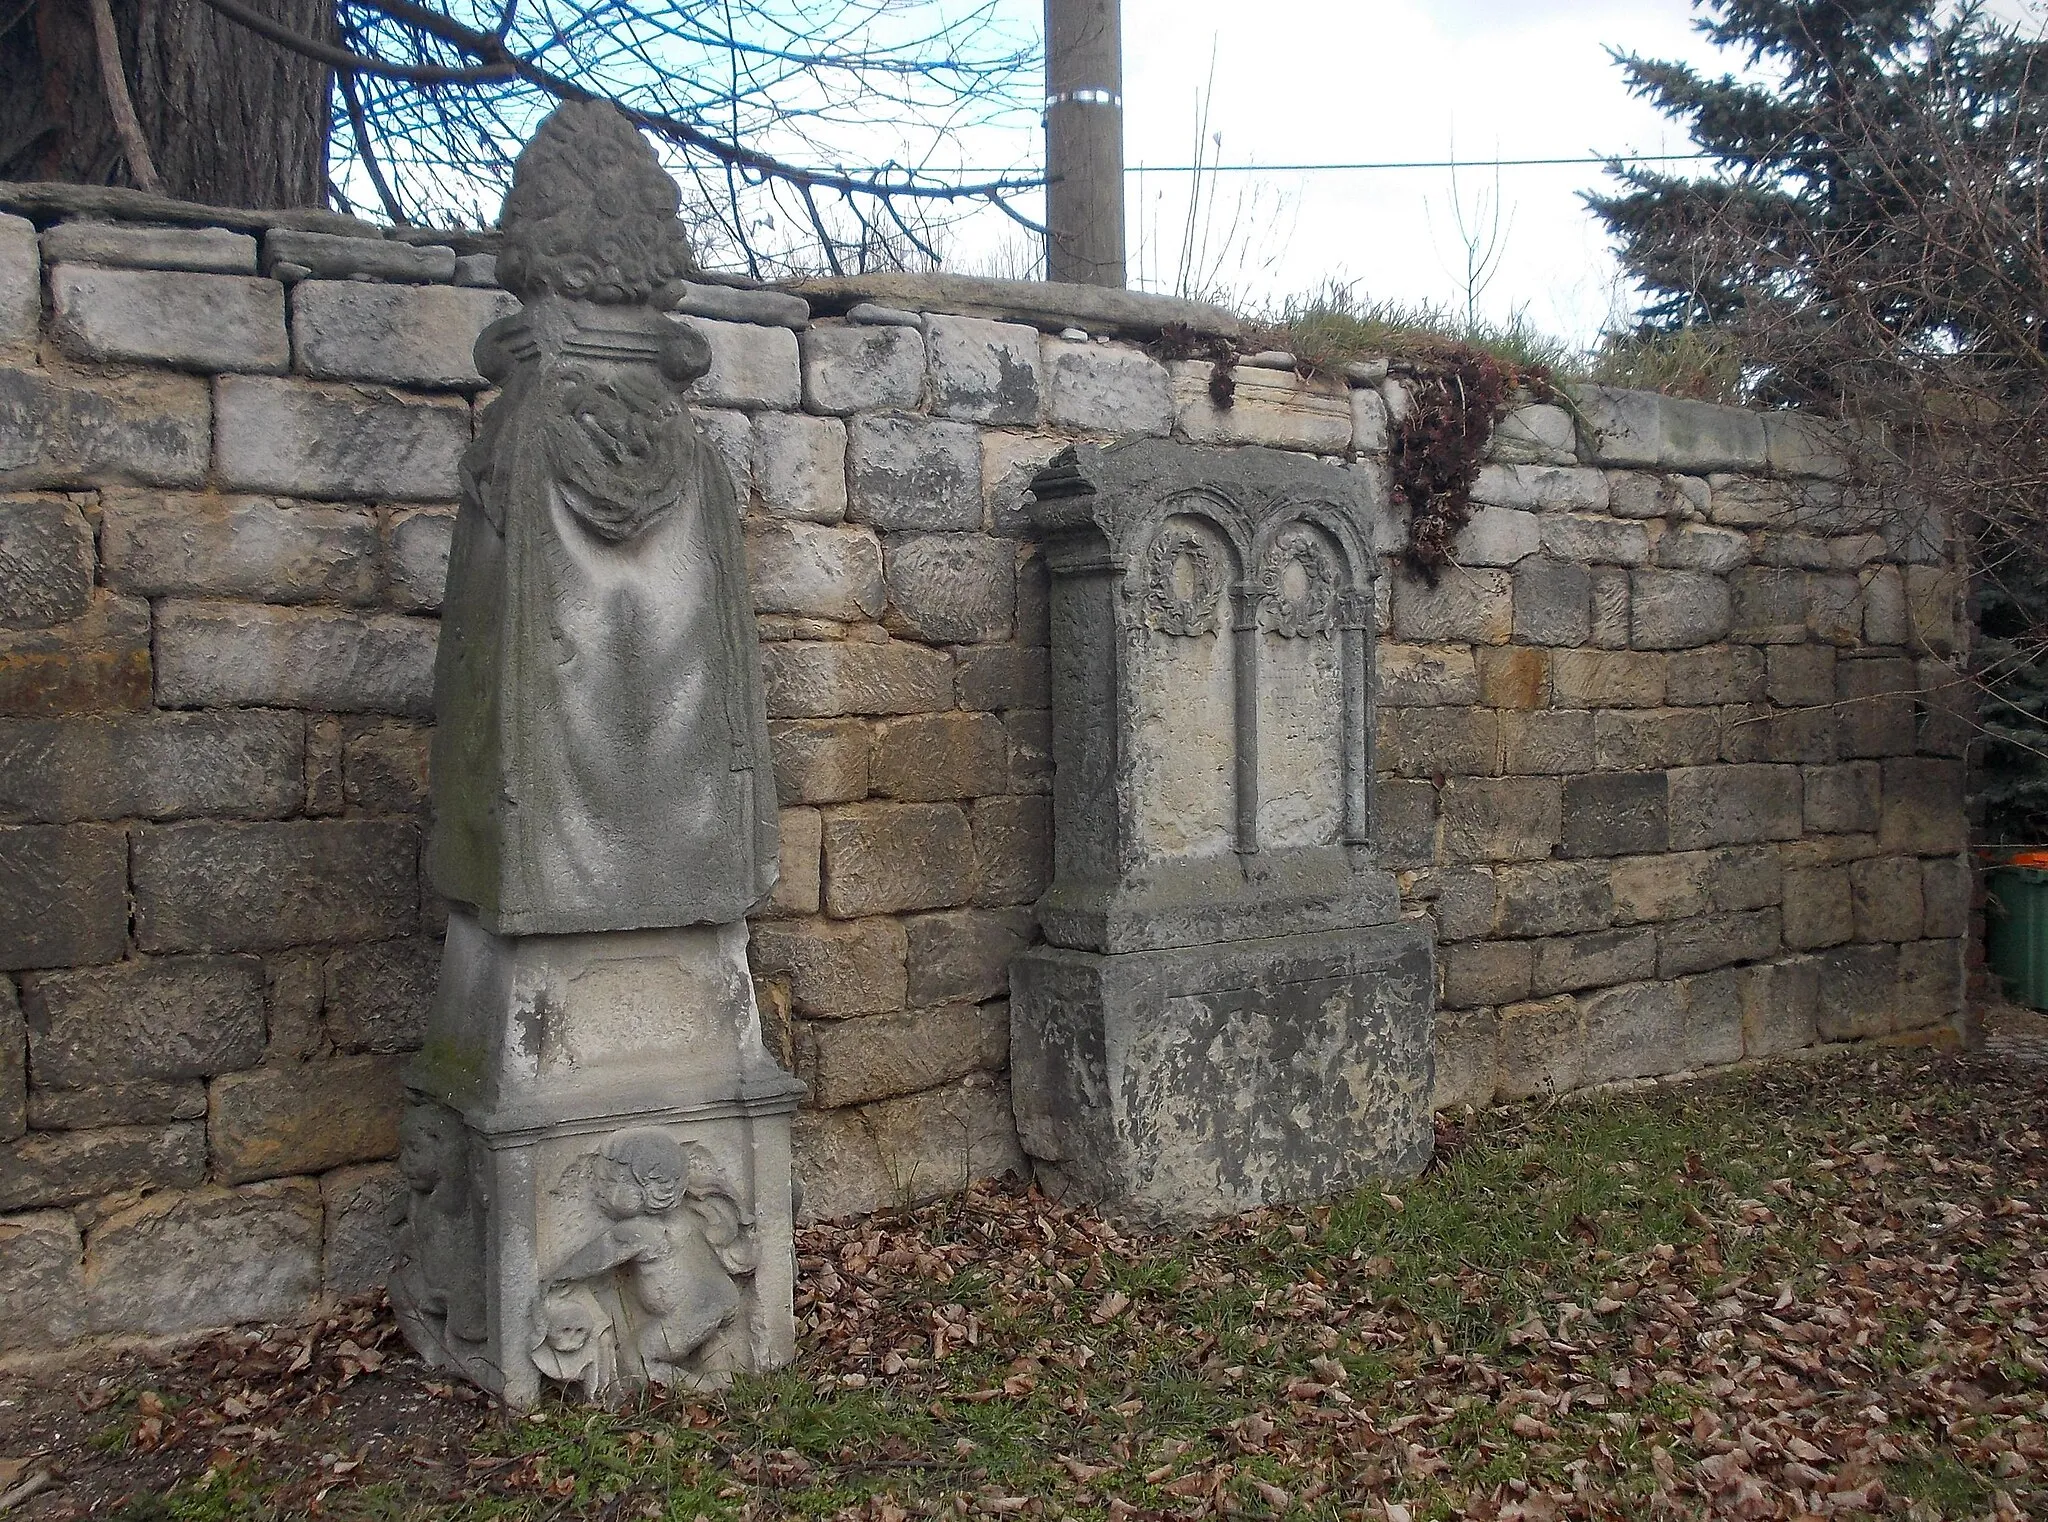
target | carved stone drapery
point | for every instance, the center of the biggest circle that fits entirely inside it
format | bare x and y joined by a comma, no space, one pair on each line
597,1151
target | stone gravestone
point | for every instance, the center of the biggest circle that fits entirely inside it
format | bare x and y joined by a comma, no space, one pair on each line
597,1142
1228,1011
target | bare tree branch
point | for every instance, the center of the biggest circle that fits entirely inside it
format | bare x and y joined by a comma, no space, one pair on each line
114,79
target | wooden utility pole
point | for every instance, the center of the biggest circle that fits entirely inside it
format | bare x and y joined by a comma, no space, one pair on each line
1084,141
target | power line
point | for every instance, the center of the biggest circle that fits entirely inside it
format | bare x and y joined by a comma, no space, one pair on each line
1601,158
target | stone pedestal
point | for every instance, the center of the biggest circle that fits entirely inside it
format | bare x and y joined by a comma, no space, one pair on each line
598,1156
1229,1011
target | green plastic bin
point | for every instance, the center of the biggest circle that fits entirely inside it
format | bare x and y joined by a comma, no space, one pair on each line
2016,919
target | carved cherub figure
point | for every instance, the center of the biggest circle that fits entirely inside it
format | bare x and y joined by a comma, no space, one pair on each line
573,1342
437,1278
675,1243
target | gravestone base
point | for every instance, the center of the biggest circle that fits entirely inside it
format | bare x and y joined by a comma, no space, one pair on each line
597,1156
1202,1081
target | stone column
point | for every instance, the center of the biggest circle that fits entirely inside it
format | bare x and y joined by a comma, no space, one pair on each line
597,1144
1229,1011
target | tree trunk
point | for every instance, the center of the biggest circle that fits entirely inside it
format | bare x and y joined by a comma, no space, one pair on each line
230,118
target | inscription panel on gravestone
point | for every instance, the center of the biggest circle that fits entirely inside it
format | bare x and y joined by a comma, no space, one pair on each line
1182,649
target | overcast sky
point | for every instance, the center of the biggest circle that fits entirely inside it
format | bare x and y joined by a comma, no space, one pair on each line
1322,81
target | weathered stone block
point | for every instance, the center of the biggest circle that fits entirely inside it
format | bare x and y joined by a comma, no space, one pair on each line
1370,420
1725,805
815,570
1272,407
1424,742
1569,963
1701,436
1834,609
1500,818
1661,887
964,955
417,557
40,1254
161,317
982,371
398,335
884,1056
1725,674
1100,388
13,1064
1931,983
930,757
1805,552
1779,1003
360,1240
1581,540
951,588
1013,849
1552,898
79,430
1885,892
157,1266
1404,823
1885,619
1486,972
1744,877
1009,464
1923,807
1801,675
799,466
915,473
1424,676
1610,609
1842,799
1769,606
1542,488
1030,736
158,1018
304,1117
145,1102
1875,698
1497,536
340,256
1934,608
1858,992
46,562
1553,603
751,366
901,1151
1634,1031
811,679
1607,679
377,996
159,544
862,369
799,885
1707,941
51,1168
1547,743
1615,814
1472,606
220,654
1540,1048
1817,908
1467,1048
249,887
1676,498
835,969
1945,895
731,435
63,895
337,442
1697,547
1678,610
1542,435
886,858
1514,677
1640,739
823,761
205,250
994,677
384,767
1464,901
21,287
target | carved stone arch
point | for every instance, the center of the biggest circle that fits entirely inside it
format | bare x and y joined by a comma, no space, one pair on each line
1301,580
1187,559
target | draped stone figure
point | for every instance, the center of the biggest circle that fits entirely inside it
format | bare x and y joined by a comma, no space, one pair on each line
601,760
598,1140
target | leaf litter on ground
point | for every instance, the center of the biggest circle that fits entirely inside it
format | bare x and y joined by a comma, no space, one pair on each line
1814,1290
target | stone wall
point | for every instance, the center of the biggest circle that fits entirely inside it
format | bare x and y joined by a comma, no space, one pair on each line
1663,757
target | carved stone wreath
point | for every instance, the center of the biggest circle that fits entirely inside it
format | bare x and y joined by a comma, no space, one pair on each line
1162,605
1313,610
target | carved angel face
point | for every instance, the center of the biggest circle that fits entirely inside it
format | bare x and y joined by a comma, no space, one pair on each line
429,1142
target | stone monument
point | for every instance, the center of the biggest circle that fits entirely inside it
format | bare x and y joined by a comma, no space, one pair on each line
597,1142
1229,1011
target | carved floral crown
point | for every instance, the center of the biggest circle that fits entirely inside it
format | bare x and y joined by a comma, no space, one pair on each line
591,214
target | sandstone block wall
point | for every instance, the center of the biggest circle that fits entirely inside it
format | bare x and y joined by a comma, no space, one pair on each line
1666,757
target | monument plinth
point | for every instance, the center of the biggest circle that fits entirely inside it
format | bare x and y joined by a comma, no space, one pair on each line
1229,1011
597,1145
